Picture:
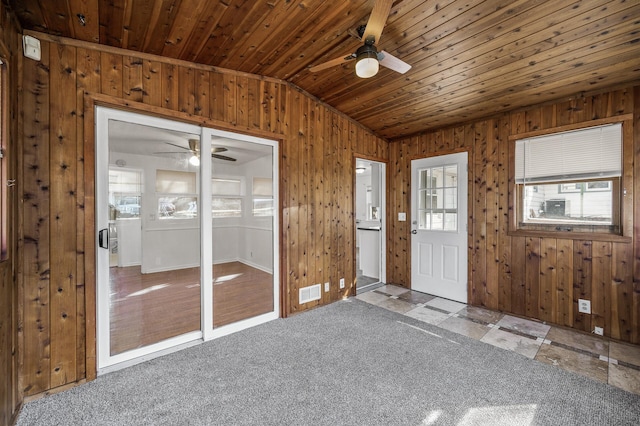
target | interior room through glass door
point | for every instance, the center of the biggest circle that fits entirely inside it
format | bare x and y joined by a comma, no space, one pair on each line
244,220
150,297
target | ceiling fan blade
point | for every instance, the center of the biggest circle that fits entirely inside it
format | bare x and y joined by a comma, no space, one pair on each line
215,149
171,152
177,146
386,59
378,18
332,63
222,157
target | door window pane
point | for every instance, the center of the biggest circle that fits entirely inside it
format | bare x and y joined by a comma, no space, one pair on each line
438,198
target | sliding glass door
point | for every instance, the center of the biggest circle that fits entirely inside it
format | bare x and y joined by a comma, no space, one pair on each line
168,219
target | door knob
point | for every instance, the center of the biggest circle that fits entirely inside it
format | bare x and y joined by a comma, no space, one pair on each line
415,231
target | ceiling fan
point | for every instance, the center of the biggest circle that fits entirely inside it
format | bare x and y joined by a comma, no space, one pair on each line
367,56
194,150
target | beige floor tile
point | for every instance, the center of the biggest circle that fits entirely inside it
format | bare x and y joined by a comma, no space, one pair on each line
576,362
625,378
427,315
625,352
465,327
513,342
416,297
372,297
577,340
481,314
446,304
529,327
396,305
392,290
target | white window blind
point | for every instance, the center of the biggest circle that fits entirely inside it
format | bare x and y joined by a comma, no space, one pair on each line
129,181
590,153
263,186
174,182
220,186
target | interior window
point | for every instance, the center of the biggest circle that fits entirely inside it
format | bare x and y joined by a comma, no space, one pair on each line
125,193
262,192
226,198
570,181
176,193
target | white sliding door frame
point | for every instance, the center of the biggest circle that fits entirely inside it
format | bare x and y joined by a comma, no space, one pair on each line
107,362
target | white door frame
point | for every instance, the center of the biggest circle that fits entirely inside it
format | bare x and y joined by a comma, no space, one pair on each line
460,235
383,215
105,361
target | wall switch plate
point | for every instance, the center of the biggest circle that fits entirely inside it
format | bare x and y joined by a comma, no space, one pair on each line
598,330
341,282
326,287
402,217
584,306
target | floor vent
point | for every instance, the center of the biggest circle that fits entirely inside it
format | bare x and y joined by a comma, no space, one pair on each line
309,294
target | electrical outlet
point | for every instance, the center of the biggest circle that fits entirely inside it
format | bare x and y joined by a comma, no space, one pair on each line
584,306
599,331
341,282
326,287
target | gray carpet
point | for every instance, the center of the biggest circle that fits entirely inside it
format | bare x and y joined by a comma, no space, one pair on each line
349,363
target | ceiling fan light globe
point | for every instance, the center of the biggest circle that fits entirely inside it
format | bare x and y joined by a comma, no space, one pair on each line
367,67
194,160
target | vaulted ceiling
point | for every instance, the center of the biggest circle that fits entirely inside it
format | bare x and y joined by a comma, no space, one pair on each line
470,58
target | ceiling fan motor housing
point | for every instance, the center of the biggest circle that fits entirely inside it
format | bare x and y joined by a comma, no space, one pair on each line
367,61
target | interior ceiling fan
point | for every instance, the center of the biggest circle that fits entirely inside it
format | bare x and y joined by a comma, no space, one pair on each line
367,56
194,150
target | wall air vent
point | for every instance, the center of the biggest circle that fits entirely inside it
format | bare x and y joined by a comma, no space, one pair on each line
309,294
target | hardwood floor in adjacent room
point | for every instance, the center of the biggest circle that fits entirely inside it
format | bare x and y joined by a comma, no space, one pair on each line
149,308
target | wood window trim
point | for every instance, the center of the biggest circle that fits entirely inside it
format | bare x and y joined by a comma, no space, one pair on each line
623,204
5,236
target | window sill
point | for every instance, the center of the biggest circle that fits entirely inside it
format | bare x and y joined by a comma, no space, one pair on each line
591,236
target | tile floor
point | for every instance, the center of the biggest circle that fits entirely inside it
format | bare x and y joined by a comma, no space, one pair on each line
598,358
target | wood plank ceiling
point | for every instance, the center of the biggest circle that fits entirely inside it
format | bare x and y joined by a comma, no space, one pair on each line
470,59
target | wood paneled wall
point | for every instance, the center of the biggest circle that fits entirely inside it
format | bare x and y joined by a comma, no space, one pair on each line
531,276
10,51
317,146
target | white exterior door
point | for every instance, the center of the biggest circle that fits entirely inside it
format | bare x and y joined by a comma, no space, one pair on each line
439,226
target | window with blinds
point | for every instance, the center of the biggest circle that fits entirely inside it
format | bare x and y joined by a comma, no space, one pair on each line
262,192
226,198
570,181
177,194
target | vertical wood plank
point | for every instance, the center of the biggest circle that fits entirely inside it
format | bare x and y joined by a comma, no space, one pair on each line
582,273
563,301
132,78
152,81
111,74
478,213
169,87
88,81
532,277
601,297
186,90
35,330
505,282
492,294
202,87
63,167
548,280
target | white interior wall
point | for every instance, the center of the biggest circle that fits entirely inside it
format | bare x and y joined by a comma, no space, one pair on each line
175,243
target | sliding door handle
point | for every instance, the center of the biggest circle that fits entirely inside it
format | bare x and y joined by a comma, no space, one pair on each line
103,238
